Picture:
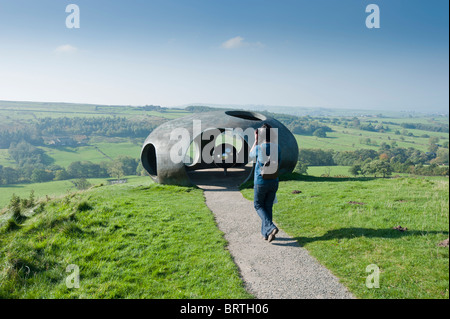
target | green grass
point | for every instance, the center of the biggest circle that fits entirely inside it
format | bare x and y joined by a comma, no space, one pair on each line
114,150
54,188
347,237
329,170
63,156
348,139
95,152
128,242
98,151
25,111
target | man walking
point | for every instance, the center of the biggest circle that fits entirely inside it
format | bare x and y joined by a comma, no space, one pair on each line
268,156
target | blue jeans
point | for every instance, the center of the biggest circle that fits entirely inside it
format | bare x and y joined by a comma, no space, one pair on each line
263,201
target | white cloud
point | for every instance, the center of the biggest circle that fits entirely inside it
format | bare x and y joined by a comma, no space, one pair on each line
239,42
233,43
66,48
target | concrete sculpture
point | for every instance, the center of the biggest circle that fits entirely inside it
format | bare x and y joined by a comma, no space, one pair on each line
225,136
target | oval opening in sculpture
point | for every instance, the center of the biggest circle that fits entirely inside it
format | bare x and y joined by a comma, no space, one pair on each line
226,162
149,159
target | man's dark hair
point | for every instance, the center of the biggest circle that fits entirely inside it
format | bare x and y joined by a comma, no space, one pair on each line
266,127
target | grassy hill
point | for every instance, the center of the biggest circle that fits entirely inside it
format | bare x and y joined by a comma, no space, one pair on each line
128,241
144,240
56,188
135,241
347,224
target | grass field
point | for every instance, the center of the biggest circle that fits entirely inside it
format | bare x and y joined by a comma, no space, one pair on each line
128,242
16,114
347,224
134,240
348,139
25,111
54,188
97,151
329,170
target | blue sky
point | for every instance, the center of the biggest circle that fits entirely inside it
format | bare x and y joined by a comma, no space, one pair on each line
237,52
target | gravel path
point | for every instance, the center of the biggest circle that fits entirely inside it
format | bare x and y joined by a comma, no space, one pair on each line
278,270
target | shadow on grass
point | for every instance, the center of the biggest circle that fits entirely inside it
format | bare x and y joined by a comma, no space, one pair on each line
354,232
308,178
13,186
65,149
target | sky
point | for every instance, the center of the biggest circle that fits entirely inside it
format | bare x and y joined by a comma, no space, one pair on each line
231,52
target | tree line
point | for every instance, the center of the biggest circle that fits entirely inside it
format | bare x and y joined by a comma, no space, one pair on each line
383,162
34,165
100,126
119,167
436,127
35,132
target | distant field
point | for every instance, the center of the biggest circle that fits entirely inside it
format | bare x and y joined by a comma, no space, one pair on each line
117,149
64,156
329,170
95,152
56,188
33,110
14,115
98,151
349,139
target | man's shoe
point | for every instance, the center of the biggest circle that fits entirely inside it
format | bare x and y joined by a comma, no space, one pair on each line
272,234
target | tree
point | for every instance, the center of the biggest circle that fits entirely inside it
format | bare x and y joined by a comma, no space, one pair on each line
377,167
383,167
61,175
140,171
9,176
86,169
367,168
115,169
445,144
316,157
432,148
129,164
320,133
301,168
355,170
16,209
75,169
82,183
433,144
41,175
442,157
433,140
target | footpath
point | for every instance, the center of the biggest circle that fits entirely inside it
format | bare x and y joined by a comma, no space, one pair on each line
278,270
